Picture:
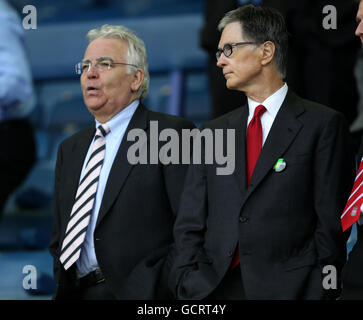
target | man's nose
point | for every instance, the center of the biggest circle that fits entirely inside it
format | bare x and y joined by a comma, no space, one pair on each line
92,72
359,30
221,61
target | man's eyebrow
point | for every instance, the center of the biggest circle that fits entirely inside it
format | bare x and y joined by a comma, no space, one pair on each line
104,58
98,59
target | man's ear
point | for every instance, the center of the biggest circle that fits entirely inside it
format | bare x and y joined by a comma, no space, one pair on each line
268,52
138,78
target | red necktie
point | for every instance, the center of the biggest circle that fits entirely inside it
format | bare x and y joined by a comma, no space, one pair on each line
352,209
253,150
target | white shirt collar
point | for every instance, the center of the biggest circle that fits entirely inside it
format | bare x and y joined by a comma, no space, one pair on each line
272,103
124,116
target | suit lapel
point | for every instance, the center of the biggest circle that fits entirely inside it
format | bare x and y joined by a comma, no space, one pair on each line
121,167
283,131
239,124
79,151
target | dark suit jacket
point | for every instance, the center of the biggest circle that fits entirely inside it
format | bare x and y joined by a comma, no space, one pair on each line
133,233
286,224
352,272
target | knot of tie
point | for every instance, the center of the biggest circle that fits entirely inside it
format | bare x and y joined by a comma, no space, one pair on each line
102,130
259,111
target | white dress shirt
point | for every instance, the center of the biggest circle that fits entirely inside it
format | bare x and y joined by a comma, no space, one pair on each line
272,105
118,124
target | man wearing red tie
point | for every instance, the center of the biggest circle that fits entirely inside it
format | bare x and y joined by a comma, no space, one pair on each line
352,273
268,230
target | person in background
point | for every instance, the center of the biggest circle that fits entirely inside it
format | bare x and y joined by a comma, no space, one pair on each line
352,272
17,101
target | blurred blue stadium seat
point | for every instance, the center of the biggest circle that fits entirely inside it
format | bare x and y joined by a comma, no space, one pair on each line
158,7
159,92
53,11
69,113
62,117
66,118
197,100
171,43
37,190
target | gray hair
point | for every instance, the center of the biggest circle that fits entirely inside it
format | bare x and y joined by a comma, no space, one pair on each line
136,53
261,24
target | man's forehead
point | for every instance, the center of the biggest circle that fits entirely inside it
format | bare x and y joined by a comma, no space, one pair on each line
231,33
105,47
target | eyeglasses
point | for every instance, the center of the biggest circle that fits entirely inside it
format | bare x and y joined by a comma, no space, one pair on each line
228,48
102,64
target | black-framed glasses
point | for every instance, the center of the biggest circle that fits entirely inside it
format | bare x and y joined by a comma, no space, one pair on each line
228,48
102,64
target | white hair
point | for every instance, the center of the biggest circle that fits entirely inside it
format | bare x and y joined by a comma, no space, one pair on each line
136,53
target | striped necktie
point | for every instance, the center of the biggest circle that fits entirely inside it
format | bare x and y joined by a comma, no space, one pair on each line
84,201
353,209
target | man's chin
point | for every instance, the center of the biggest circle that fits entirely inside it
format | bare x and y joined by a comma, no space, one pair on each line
93,108
93,103
230,85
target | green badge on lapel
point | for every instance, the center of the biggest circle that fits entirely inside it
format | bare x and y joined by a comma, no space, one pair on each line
280,165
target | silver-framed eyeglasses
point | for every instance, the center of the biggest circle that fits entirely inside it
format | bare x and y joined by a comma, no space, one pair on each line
228,48
102,64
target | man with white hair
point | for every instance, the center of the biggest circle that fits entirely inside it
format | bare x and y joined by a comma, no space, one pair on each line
113,220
